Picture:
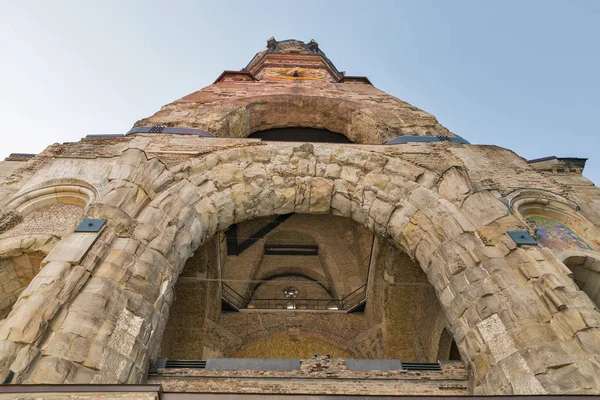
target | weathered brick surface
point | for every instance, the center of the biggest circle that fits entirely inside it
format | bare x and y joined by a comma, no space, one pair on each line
88,395
316,376
55,219
364,114
296,88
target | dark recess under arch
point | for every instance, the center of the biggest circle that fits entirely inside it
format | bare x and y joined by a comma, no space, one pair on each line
300,135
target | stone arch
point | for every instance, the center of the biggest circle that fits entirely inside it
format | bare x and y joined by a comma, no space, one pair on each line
527,202
585,271
285,111
359,121
20,261
71,191
347,182
44,214
314,276
486,290
447,348
51,208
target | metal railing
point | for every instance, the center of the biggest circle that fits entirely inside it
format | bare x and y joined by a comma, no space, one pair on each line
294,304
349,302
355,298
231,296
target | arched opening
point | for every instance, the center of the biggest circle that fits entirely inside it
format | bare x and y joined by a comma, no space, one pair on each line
196,306
15,274
42,216
403,304
586,274
292,281
447,348
555,221
56,195
558,225
300,134
322,252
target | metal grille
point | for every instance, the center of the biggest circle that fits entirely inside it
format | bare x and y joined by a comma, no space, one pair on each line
21,155
421,366
196,364
167,130
157,129
426,139
292,249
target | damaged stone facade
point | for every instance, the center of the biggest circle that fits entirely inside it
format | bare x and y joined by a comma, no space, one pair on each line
317,376
100,307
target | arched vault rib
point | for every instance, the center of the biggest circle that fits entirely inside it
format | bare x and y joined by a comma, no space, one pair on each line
508,313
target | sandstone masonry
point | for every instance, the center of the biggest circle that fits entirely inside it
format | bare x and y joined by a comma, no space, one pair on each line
96,308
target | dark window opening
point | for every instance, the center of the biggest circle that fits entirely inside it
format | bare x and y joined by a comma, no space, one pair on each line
300,135
454,353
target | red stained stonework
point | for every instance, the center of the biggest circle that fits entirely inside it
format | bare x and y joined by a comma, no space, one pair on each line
292,84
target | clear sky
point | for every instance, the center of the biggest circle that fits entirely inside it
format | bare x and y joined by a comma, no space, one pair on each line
524,75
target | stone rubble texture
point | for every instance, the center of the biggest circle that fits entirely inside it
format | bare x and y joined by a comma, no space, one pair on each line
97,309
317,376
81,395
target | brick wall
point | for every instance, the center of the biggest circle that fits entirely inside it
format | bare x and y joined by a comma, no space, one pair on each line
316,376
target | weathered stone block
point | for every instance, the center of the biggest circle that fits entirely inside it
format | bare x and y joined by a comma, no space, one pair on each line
320,195
72,248
483,208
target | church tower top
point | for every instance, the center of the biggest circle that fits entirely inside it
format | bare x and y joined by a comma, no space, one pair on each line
292,84
293,59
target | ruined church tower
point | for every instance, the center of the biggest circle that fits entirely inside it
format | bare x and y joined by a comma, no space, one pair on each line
294,230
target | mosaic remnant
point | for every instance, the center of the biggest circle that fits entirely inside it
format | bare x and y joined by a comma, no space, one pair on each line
557,236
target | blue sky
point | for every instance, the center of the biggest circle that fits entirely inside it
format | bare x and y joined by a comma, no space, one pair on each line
519,74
